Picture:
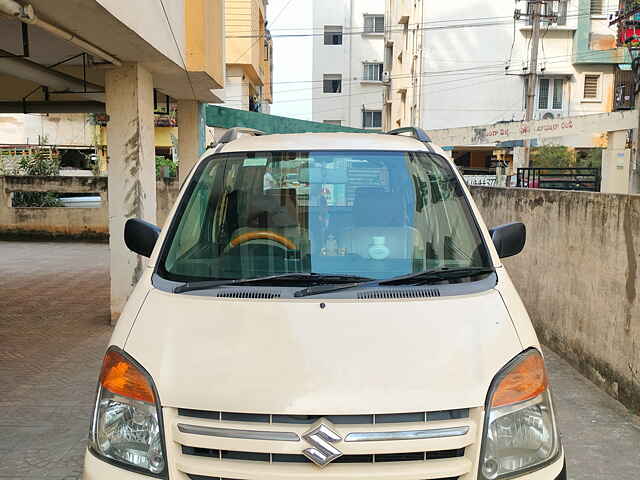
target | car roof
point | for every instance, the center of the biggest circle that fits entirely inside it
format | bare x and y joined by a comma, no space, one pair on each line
324,141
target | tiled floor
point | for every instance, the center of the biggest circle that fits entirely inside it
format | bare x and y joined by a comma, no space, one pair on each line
54,313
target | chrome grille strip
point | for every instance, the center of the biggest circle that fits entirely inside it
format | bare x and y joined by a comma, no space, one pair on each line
366,419
407,435
242,434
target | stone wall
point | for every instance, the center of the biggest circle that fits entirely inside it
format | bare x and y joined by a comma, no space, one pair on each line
65,222
578,277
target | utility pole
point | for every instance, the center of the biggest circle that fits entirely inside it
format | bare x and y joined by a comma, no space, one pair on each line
536,17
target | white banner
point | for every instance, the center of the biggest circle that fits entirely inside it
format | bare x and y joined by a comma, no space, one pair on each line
558,127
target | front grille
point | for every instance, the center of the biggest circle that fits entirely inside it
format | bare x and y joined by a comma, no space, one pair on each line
374,419
215,445
289,458
203,477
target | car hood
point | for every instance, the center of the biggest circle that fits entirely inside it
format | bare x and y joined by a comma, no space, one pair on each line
313,358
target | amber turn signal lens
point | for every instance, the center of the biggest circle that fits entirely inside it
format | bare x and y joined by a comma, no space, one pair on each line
121,377
526,380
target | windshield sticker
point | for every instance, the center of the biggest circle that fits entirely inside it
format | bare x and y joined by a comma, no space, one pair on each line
255,162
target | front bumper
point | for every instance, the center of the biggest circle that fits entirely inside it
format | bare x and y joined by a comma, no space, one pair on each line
96,469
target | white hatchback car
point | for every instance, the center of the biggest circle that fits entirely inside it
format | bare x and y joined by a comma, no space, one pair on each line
355,324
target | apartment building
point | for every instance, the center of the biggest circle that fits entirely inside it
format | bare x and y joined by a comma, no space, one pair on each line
348,58
249,56
451,65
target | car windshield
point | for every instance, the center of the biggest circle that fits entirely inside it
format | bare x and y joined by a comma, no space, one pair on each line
370,214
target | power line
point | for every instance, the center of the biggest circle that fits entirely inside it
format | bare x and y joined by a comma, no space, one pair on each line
419,26
494,77
184,64
258,37
472,71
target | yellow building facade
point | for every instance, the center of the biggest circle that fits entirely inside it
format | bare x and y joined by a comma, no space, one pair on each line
249,52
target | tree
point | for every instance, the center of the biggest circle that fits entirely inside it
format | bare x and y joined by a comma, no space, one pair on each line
550,156
37,163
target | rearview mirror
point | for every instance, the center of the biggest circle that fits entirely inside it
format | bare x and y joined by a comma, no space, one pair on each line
140,237
509,239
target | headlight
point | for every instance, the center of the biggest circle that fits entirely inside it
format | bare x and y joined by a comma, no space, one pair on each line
520,431
127,422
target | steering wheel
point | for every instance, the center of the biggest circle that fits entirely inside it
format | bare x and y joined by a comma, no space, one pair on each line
262,235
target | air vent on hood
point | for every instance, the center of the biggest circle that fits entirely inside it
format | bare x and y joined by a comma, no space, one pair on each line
249,293
385,293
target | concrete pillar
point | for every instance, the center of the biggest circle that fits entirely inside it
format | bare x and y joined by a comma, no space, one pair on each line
519,160
132,176
616,164
191,135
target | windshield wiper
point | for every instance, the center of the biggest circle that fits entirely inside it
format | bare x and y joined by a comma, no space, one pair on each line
317,278
320,289
438,274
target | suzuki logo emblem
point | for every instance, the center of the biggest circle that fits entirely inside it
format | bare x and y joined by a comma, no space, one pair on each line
322,452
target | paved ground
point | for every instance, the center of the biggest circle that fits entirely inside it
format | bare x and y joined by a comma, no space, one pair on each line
54,309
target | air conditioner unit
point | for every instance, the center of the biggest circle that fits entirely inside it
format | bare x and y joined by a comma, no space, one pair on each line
386,77
547,115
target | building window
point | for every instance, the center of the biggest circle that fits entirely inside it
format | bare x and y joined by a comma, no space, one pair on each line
374,24
372,72
333,122
332,83
591,87
557,8
550,94
597,7
558,88
371,119
332,35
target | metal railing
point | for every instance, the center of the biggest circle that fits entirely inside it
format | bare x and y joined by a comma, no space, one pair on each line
576,179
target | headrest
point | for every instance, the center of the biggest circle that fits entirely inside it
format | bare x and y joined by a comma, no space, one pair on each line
275,208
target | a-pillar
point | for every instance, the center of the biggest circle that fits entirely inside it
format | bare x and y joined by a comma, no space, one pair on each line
191,135
132,175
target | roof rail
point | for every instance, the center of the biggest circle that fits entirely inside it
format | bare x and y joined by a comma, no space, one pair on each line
237,132
416,132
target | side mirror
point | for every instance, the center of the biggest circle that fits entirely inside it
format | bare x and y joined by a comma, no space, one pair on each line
509,239
140,237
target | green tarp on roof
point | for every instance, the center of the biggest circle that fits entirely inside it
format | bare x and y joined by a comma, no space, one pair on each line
224,117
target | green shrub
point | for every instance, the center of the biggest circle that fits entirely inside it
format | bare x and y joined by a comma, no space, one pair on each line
41,165
163,163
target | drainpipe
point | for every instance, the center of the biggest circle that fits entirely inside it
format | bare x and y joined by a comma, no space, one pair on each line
52,107
27,15
349,80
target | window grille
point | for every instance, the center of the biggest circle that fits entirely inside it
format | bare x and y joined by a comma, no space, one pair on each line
543,94
372,119
374,24
591,86
372,72
332,83
557,94
597,7
332,35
